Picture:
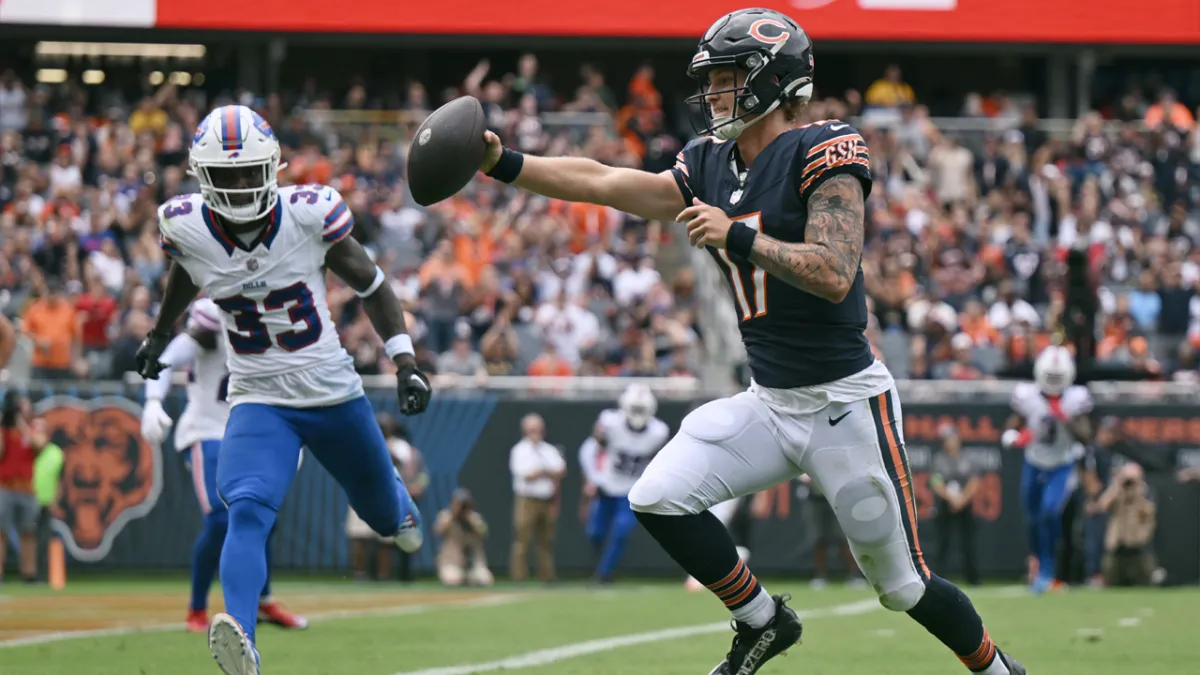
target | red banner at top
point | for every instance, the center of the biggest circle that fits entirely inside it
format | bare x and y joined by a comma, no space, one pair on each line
1076,21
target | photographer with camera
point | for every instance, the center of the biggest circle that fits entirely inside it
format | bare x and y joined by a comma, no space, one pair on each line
461,558
1129,558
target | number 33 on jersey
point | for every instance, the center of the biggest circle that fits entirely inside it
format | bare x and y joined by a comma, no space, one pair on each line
271,289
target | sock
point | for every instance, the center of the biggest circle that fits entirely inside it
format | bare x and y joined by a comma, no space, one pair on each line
244,561
947,613
704,549
206,555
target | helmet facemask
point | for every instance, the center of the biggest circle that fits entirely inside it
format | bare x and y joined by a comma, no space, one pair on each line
764,87
240,192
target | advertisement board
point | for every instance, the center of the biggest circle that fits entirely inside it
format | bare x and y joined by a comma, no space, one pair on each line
1066,21
127,505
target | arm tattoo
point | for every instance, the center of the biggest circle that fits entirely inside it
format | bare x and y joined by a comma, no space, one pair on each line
826,263
350,261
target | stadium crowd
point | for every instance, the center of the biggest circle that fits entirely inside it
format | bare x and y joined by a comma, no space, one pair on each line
967,236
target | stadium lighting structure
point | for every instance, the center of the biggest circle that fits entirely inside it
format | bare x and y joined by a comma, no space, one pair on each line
180,78
51,75
93,77
120,49
156,78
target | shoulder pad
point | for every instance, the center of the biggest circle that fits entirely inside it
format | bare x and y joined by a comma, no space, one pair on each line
176,219
1022,394
611,417
829,148
319,209
1077,400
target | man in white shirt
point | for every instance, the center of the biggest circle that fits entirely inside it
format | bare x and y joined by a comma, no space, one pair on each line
537,470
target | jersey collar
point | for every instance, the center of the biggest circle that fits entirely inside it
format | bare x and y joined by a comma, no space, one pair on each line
230,243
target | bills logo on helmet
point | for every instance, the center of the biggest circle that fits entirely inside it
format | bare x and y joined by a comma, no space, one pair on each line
201,129
111,476
262,125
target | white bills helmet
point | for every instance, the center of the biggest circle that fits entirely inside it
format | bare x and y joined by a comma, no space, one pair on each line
236,158
639,405
1054,370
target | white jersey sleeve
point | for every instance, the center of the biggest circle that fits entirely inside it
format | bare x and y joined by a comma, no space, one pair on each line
590,456
282,344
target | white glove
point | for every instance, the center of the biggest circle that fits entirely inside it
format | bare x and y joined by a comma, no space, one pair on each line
155,422
1008,438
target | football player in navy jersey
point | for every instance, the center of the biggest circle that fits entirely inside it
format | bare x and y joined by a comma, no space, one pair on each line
780,207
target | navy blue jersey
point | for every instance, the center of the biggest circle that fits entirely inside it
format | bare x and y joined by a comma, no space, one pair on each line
793,338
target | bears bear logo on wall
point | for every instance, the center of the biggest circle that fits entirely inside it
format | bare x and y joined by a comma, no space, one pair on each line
110,475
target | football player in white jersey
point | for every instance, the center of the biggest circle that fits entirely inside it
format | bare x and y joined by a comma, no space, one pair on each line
260,251
623,443
1052,426
200,351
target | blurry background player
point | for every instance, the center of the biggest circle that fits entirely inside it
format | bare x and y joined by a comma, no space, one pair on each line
1050,423
201,350
613,458
408,461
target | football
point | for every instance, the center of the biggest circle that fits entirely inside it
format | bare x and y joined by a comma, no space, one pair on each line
447,150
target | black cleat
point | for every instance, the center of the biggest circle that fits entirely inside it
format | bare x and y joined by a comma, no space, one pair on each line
1014,666
752,647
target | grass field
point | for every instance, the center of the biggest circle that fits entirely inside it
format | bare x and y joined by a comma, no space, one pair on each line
124,628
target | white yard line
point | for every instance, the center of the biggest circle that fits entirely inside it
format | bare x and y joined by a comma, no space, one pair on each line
396,610
542,657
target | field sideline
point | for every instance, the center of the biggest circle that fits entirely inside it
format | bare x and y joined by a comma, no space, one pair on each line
123,627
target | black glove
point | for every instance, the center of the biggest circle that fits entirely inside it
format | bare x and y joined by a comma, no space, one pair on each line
413,387
146,359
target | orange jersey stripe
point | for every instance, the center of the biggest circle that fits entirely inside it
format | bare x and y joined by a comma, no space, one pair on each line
905,480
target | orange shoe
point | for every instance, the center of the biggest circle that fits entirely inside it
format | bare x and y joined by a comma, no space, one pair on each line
197,621
274,612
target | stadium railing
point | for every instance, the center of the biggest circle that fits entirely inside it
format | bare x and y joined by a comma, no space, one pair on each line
923,391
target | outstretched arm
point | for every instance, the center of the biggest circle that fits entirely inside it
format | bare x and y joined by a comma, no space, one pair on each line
826,263
181,290
349,260
653,196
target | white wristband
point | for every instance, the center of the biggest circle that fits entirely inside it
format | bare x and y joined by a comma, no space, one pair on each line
398,344
379,279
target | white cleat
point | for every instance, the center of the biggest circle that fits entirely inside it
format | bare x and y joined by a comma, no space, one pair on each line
231,648
409,537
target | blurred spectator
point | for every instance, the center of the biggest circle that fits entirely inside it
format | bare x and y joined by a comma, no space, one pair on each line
18,503
537,471
1129,558
53,324
1096,468
461,558
47,487
1170,112
409,463
890,90
954,480
461,364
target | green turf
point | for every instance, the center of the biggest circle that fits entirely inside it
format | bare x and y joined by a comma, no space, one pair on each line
1149,632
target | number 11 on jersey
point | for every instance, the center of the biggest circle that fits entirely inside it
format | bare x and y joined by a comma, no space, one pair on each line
751,301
